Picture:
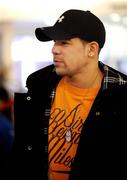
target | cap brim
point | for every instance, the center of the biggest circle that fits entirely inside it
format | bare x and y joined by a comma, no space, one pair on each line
51,33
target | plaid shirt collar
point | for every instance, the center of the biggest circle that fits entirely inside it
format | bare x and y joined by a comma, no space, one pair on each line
111,77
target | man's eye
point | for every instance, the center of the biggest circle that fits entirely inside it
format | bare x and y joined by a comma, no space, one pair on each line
64,42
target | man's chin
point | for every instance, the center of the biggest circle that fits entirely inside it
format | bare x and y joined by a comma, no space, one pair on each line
60,72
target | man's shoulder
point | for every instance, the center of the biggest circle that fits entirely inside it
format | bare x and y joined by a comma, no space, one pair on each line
42,77
41,73
119,73
112,73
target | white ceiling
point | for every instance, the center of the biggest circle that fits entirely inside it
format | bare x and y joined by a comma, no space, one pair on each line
49,10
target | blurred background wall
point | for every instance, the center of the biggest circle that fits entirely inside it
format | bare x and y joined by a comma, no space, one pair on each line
21,53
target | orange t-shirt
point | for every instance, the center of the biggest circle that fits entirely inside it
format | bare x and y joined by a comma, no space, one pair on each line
68,114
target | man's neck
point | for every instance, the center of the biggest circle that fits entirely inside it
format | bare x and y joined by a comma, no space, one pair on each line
88,80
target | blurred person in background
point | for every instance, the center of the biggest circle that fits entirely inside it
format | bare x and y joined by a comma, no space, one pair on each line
6,126
6,143
71,124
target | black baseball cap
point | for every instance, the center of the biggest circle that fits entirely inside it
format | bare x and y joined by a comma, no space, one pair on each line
74,23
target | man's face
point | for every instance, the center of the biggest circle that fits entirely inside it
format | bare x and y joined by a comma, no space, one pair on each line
70,56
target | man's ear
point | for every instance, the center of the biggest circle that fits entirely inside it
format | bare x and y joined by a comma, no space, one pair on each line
93,48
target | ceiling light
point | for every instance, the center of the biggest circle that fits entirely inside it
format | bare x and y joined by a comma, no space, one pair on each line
115,17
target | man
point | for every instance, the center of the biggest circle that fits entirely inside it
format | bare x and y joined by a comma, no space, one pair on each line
71,124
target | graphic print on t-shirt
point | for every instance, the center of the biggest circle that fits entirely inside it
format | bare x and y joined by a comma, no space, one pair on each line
61,151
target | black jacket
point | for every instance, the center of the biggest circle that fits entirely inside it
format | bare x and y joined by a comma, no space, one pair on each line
102,150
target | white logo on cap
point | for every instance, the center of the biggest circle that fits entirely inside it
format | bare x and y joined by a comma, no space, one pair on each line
61,19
